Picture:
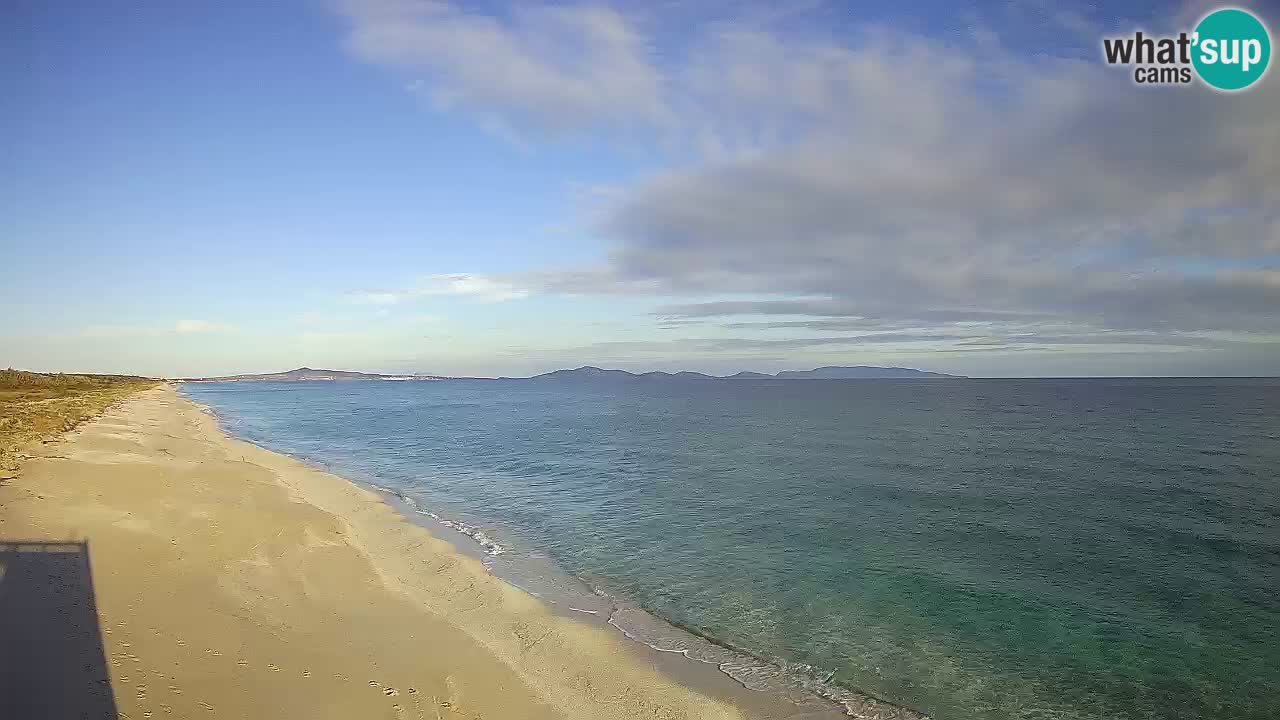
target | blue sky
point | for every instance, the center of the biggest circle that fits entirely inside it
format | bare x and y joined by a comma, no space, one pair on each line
486,189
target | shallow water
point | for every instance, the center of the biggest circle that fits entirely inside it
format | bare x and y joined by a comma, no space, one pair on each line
990,549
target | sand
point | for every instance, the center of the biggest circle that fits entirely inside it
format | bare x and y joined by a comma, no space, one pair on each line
212,578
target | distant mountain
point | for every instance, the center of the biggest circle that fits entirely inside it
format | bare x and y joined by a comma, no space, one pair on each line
306,373
586,372
591,373
684,375
858,372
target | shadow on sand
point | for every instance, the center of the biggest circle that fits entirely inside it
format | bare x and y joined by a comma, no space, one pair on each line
52,663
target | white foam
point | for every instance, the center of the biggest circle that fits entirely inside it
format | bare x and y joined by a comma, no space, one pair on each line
491,547
803,684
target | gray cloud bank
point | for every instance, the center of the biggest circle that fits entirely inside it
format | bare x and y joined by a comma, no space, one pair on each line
949,189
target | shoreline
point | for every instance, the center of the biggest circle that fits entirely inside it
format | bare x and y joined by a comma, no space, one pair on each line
763,686
683,652
230,579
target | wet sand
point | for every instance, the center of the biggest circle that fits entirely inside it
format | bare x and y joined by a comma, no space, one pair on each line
230,581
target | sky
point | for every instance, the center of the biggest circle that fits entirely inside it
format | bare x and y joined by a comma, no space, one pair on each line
485,188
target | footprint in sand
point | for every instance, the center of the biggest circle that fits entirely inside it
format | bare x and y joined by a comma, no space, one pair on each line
390,692
273,667
306,673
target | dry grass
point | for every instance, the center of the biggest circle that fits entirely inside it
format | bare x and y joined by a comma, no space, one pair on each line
38,406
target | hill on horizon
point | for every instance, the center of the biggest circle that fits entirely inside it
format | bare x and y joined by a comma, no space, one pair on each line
830,372
590,372
306,373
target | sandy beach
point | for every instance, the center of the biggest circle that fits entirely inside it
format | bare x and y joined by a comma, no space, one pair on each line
225,580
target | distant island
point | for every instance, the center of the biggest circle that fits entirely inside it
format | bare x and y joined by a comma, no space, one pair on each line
854,372
306,373
588,372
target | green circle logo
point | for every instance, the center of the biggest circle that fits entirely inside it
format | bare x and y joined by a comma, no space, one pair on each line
1231,49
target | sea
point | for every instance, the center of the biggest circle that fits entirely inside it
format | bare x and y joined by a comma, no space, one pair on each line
967,549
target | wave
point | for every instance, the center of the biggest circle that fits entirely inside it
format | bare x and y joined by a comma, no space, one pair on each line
803,685
800,683
491,547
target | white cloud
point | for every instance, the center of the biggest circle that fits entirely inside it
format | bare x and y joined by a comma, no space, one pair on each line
200,326
901,176
901,179
478,287
559,68
181,327
361,297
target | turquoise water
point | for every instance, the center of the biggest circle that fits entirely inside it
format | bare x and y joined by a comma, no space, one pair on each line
989,549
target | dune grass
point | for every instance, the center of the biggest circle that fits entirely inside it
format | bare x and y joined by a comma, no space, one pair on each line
39,406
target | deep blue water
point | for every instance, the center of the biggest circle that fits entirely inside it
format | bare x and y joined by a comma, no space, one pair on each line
970,548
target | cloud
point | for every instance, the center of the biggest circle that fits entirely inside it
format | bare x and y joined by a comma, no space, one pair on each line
887,181
954,340
928,183
181,327
200,326
740,344
557,68
363,297
479,287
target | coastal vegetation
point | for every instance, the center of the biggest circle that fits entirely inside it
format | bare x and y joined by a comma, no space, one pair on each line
37,406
